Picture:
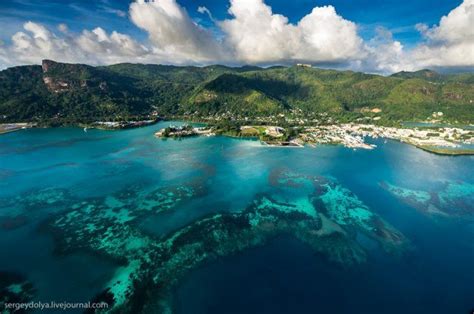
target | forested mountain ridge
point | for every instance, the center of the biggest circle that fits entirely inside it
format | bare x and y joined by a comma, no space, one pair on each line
74,93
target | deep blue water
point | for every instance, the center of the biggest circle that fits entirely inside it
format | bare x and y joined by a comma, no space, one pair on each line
285,276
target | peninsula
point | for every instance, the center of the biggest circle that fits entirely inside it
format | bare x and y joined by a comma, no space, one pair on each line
444,141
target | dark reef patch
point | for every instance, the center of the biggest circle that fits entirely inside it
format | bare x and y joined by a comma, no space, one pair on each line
14,288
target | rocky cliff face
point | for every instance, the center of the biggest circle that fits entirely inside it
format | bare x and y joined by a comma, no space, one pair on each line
55,85
62,77
52,82
46,64
55,68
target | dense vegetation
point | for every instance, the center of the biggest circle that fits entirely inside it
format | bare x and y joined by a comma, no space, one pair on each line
69,93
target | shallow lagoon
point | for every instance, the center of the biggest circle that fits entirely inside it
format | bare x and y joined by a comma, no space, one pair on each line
45,172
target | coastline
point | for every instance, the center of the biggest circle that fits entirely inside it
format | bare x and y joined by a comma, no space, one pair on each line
13,127
441,141
447,152
99,125
118,125
444,141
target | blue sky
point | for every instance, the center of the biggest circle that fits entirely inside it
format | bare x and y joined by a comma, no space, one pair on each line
398,16
360,22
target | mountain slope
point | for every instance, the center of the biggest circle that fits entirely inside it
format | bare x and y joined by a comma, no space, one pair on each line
72,93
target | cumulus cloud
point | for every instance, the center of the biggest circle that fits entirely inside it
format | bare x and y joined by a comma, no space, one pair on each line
258,35
448,44
252,34
98,41
37,43
173,32
328,36
96,46
451,43
457,26
383,54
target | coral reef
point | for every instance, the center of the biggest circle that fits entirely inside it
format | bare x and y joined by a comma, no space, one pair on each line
342,209
316,210
158,264
452,199
17,211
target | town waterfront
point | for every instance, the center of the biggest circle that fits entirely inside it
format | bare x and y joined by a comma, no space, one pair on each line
408,214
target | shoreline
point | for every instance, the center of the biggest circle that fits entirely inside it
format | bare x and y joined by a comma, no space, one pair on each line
99,125
119,125
441,141
13,127
447,152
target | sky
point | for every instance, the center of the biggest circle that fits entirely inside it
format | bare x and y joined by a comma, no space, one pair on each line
377,36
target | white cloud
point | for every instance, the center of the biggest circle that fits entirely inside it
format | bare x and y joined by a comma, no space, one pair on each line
384,54
39,43
451,43
173,32
328,36
456,27
98,41
94,47
259,36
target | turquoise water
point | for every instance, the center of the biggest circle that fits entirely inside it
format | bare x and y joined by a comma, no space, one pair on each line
221,225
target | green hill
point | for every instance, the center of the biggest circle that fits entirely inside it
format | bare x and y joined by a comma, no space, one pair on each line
421,74
72,93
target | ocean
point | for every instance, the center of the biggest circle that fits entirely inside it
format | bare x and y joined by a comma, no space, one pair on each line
225,225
